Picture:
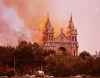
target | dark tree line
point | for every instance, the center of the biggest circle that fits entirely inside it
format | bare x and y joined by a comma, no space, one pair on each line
28,58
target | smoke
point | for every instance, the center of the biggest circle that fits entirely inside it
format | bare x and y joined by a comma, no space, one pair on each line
12,27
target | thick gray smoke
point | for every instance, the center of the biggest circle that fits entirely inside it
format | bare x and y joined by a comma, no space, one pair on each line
12,27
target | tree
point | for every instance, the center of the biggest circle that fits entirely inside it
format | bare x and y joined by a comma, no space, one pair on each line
96,67
87,62
23,56
84,55
59,65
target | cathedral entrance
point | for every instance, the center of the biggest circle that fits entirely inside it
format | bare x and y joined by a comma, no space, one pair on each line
61,51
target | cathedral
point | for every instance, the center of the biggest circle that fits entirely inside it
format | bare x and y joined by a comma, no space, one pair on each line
66,40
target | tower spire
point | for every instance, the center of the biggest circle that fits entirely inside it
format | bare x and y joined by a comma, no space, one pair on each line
48,31
71,24
71,18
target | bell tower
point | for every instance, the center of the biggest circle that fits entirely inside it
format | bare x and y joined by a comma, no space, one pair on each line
48,31
72,35
48,35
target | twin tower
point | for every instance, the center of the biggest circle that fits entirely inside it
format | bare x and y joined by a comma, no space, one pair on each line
67,41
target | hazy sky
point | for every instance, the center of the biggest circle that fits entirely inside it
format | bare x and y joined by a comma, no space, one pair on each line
31,13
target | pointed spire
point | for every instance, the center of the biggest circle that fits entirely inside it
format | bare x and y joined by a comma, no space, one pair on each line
48,22
70,28
48,30
71,24
71,18
48,25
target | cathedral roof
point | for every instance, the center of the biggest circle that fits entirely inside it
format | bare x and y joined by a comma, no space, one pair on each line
61,37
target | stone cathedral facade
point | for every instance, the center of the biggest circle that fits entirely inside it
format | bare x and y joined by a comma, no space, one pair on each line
68,40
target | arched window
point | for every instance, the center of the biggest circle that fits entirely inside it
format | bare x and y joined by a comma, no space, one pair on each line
74,53
73,38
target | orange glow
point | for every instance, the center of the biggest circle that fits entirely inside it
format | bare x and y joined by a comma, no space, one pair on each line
25,9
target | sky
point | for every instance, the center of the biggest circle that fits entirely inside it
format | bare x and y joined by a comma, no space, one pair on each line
24,19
